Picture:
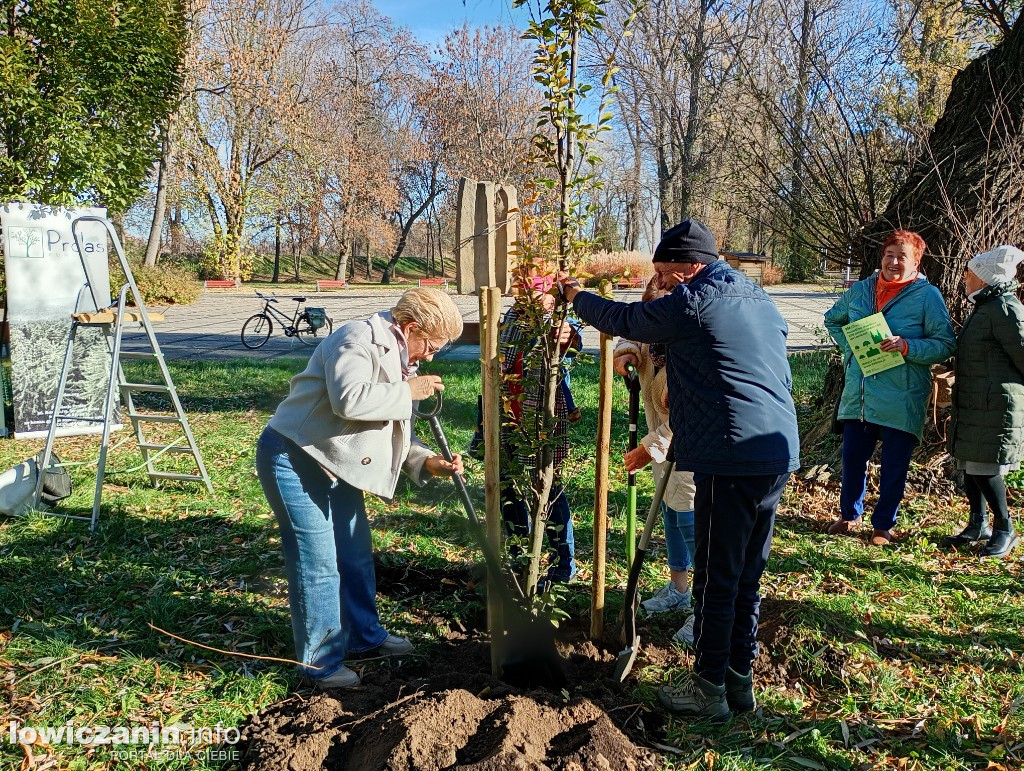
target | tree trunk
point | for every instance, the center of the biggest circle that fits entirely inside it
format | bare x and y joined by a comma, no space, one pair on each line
440,248
797,262
277,250
690,174
341,269
666,199
211,209
176,231
160,208
403,239
965,193
232,266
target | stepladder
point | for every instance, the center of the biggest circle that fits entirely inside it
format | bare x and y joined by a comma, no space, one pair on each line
144,391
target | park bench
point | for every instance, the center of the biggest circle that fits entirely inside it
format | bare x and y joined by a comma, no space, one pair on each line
322,284
632,282
221,283
441,282
846,283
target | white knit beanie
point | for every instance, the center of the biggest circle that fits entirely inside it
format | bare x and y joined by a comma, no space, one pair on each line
997,266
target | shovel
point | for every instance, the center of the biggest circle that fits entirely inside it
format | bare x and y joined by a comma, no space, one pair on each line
633,384
529,655
630,639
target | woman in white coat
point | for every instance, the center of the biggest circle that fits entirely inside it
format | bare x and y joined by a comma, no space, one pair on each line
345,428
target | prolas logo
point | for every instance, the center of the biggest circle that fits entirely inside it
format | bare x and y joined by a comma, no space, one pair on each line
63,244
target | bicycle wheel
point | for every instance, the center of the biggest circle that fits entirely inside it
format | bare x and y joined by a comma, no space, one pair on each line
256,330
310,336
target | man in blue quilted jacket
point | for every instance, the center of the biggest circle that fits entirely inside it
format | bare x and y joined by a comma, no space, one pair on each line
734,427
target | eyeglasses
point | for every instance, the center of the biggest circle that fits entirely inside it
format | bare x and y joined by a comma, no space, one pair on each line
430,349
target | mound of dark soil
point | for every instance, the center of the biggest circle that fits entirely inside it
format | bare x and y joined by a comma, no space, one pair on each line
449,713
445,710
449,729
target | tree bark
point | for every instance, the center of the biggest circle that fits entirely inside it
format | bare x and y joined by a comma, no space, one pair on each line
176,230
965,193
160,208
277,250
341,269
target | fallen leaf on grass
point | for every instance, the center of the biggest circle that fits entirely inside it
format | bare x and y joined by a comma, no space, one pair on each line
807,763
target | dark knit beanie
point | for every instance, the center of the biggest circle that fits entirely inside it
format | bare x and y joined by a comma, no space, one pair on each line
689,241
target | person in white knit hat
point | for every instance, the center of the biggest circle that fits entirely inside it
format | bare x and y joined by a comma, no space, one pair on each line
986,435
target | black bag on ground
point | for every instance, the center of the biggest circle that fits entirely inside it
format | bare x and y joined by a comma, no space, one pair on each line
56,480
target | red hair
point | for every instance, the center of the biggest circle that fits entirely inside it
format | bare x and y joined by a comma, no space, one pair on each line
908,238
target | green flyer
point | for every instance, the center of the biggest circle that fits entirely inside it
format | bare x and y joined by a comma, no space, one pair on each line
864,335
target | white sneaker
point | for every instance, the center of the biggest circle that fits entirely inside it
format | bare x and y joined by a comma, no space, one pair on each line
685,633
665,599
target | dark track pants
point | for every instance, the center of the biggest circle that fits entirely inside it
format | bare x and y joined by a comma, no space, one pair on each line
733,521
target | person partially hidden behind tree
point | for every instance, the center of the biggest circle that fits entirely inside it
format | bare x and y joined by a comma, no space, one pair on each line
522,389
734,426
986,435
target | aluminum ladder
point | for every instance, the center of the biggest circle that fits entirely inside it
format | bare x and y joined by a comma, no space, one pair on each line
112,320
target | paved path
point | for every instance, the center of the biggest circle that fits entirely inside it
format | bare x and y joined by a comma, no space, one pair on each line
209,329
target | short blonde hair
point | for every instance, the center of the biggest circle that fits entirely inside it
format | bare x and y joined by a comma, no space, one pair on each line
432,309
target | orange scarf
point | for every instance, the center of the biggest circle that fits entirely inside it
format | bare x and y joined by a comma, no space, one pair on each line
887,290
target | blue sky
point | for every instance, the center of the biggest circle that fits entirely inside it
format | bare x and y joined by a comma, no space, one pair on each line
431,20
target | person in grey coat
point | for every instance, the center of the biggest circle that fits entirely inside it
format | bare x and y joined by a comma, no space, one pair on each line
345,428
986,436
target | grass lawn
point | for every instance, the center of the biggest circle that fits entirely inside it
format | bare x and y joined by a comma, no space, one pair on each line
902,657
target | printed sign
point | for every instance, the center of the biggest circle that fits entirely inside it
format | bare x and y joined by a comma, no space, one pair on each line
864,337
46,280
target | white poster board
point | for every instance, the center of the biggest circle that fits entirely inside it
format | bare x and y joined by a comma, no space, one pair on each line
45,278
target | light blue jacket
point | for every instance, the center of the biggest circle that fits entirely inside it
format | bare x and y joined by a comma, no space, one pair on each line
897,397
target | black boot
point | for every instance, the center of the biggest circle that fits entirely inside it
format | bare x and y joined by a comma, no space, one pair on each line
1001,543
977,530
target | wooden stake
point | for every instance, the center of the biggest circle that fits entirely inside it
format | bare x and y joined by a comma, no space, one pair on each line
604,434
490,377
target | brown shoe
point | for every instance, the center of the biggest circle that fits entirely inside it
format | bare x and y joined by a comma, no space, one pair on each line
880,537
841,527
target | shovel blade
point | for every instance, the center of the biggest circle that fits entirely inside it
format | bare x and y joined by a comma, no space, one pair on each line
624,662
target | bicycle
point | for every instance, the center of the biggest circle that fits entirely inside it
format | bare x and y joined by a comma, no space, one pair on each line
306,323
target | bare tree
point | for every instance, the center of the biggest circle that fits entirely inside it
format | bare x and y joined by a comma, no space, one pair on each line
253,90
965,192
675,76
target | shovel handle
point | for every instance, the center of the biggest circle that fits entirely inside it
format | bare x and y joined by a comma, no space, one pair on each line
446,452
630,600
494,570
431,416
633,384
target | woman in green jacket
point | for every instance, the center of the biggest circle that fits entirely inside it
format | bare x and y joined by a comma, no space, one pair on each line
987,431
889,406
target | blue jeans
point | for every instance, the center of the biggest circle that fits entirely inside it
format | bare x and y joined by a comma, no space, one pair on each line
558,529
859,441
679,541
328,556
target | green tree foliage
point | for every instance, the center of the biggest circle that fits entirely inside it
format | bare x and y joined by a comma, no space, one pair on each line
555,216
83,84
